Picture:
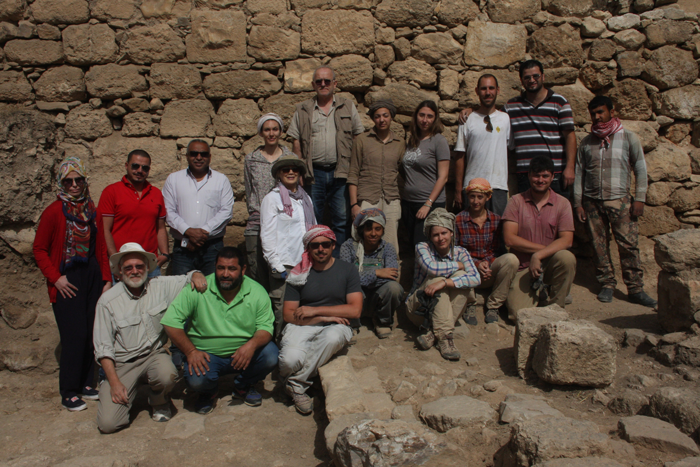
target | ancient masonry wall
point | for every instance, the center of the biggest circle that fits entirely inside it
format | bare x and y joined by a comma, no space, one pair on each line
98,78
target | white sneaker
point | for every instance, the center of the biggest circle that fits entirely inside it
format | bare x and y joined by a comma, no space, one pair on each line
162,413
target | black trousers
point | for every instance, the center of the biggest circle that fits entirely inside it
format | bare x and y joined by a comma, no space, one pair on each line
414,226
75,318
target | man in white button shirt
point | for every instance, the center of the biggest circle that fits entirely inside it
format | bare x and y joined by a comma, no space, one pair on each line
199,204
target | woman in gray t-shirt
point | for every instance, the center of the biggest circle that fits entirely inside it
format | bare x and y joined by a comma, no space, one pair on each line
426,166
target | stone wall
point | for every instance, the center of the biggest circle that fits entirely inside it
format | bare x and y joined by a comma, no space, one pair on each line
98,78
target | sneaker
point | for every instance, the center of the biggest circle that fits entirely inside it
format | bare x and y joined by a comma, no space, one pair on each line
91,394
491,316
249,396
382,332
426,341
205,404
470,315
302,402
641,298
569,300
447,348
74,404
162,413
605,295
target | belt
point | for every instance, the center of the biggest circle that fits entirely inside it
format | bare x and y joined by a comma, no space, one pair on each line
325,167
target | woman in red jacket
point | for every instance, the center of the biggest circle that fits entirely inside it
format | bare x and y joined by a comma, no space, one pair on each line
67,252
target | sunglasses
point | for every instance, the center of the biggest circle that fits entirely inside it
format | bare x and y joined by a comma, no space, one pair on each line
532,77
489,126
68,182
323,82
145,168
194,154
284,170
317,245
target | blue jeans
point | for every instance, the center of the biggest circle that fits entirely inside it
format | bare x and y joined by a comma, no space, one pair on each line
263,362
333,192
202,259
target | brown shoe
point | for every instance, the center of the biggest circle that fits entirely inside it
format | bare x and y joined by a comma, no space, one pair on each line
426,341
447,348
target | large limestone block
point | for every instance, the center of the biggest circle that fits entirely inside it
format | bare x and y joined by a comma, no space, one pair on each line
597,75
173,81
602,49
557,46
149,44
405,97
413,70
90,44
353,72
187,117
114,81
687,462
298,74
670,67
658,220
630,39
274,7
217,36
659,192
436,47
84,123
578,8
679,299
411,13
656,434
337,32
668,162
592,27
61,84
630,64
268,43
34,52
685,199
667,31
578,96
494,44
631,99
529,321
508,82
343,392
340,423
545,438
139,124
688,352
678,251
384,55
679,406
575,352
109,10
455,411
237,117
522,407
623,22
61,11
510,11
14,87
241,83
12,10
284,105
646,133
455,12
449,83
682,103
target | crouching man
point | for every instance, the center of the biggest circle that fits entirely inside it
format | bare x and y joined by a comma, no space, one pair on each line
129,338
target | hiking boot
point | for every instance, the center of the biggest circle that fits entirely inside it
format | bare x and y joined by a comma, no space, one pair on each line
162,413
641,298
250,396
426,341
303,403
447,348
470,315
605,295
74,404
382,332
491,316
91,394
569,300
205,404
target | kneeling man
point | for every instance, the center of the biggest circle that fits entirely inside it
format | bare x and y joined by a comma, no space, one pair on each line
129,338
324,294
229,331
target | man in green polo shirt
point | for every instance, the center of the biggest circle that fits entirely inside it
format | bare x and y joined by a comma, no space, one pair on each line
230,332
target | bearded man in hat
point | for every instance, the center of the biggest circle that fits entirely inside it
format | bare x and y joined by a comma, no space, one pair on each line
129,338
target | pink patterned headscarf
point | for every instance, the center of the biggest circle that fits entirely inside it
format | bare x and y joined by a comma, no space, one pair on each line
604,130
300,273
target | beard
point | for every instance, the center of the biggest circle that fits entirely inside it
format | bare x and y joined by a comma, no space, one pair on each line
229,285
134,283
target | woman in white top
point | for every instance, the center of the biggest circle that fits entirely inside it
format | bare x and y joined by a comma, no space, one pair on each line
286,213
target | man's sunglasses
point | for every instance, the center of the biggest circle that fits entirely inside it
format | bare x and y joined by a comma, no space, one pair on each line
68,182
317,245
194,154
323,82
145,168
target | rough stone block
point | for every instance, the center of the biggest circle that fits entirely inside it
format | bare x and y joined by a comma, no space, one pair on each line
90,44
646,133
679,406
84,123
529,321
670,67
380,404
139,124
658,220
410,13
631,99
344,394
581,462
12,10
61,11
687,462
494,44
667,31
340,423
354,72
510,11
403,412
62,84
629,402
679,299
170,80
251,84
682,103
413,70
150,44
668,162
656,434
557,46
217,36
114,81
455,13
337,32
678,251
34,52
237,117
436,47
284,105
522,407
108,10
187,117
269,43
298,74
453,411
14,87
578,96
688,352
404,96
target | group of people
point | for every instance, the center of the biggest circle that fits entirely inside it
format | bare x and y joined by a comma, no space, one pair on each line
292,300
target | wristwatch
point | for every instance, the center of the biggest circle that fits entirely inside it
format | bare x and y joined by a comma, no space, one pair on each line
167,255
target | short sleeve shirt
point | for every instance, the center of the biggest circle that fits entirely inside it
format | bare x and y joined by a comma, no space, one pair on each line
420,166
326,288
538,226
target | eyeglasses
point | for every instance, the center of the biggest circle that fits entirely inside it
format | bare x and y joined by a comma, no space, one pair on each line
317,245
194,154
284,170
532,77
138,267
145,168
489,126
323,82
68,182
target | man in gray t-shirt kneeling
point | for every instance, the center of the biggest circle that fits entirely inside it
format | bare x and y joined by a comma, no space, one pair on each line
322,297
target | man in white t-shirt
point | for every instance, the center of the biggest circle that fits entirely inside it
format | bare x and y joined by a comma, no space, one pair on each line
483,143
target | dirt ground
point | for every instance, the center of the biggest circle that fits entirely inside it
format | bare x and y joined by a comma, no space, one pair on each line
37,431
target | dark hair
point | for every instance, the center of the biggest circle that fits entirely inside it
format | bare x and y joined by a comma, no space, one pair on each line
435,128
597,101
229,252
541,164
486,75
527,64
138,152
195,141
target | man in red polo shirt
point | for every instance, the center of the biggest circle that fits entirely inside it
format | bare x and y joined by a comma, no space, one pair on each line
133,210
538,227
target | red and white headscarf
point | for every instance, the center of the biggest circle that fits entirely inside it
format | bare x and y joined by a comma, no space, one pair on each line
604,130
300,273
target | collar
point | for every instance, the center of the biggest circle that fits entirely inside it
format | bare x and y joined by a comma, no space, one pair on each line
242,292
146,185
316,102
435,252
469,216
392,136
550,93
527,196
189,173
143,292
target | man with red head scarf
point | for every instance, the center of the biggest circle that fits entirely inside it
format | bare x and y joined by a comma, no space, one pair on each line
322,296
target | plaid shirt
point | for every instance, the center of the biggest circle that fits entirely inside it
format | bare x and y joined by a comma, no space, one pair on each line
429,263
481,243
